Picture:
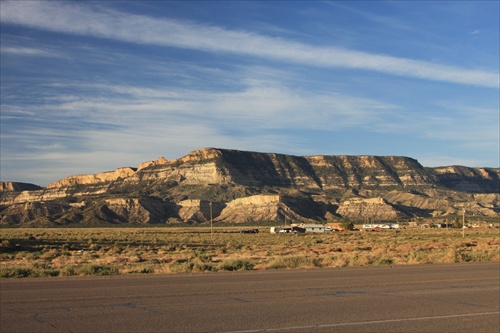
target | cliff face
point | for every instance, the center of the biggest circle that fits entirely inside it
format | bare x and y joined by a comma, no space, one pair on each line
338,172
465,179
105,177
16,186
231,186
373,208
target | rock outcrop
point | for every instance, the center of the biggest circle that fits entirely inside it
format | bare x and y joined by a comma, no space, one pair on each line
136,210
373,208
252,209
104,177
159,161
339,172
231,186
476,180
199,210
17,187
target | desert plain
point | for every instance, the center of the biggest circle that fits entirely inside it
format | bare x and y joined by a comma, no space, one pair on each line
61,252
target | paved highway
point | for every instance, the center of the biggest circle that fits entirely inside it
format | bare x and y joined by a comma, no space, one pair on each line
426,298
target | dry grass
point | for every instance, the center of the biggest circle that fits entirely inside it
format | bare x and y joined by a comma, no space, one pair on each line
109,251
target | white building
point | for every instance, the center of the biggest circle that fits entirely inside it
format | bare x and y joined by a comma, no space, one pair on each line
313,227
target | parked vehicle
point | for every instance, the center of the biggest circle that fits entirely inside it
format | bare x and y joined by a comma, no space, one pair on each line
249,231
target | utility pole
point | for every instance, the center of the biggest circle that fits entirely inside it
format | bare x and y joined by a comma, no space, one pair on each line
463,223
211,222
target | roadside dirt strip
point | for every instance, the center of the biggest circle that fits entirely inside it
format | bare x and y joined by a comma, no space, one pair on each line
425,298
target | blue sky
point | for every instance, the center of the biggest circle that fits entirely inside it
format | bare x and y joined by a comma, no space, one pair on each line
88,87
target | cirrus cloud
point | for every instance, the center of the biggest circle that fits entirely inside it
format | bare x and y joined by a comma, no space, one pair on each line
72,18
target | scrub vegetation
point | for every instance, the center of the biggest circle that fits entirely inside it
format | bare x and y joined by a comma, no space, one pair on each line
111,251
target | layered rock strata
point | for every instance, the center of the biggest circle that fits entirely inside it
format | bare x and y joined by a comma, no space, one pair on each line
231,186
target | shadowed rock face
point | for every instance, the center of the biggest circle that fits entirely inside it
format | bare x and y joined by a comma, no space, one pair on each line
238,186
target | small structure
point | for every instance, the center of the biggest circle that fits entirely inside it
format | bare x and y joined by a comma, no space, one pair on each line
288,229
281,230
274,230
312,227
380,226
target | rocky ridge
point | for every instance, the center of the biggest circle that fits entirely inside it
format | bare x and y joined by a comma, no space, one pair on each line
231,186
16,186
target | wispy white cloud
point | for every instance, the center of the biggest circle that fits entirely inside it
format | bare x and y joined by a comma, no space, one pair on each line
91,20
472,126
259,105
262,104
28,51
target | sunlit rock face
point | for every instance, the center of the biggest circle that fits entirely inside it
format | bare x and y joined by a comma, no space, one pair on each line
104,177
17,186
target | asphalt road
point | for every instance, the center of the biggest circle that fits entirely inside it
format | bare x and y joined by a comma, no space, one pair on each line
426,298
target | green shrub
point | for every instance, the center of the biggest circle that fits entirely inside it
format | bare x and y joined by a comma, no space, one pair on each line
383,261
96,270
30,272
181,267
16,272
236,265
68,271
294,262
347,225
204,267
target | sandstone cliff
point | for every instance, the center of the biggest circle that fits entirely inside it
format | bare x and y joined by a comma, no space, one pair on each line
17,186
251,187
199,210
105,177
369,171
159,161
465,179
373,208
135,210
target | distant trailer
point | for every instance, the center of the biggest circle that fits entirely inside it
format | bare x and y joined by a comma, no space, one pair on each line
275,230
286,230
313,227
381,226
